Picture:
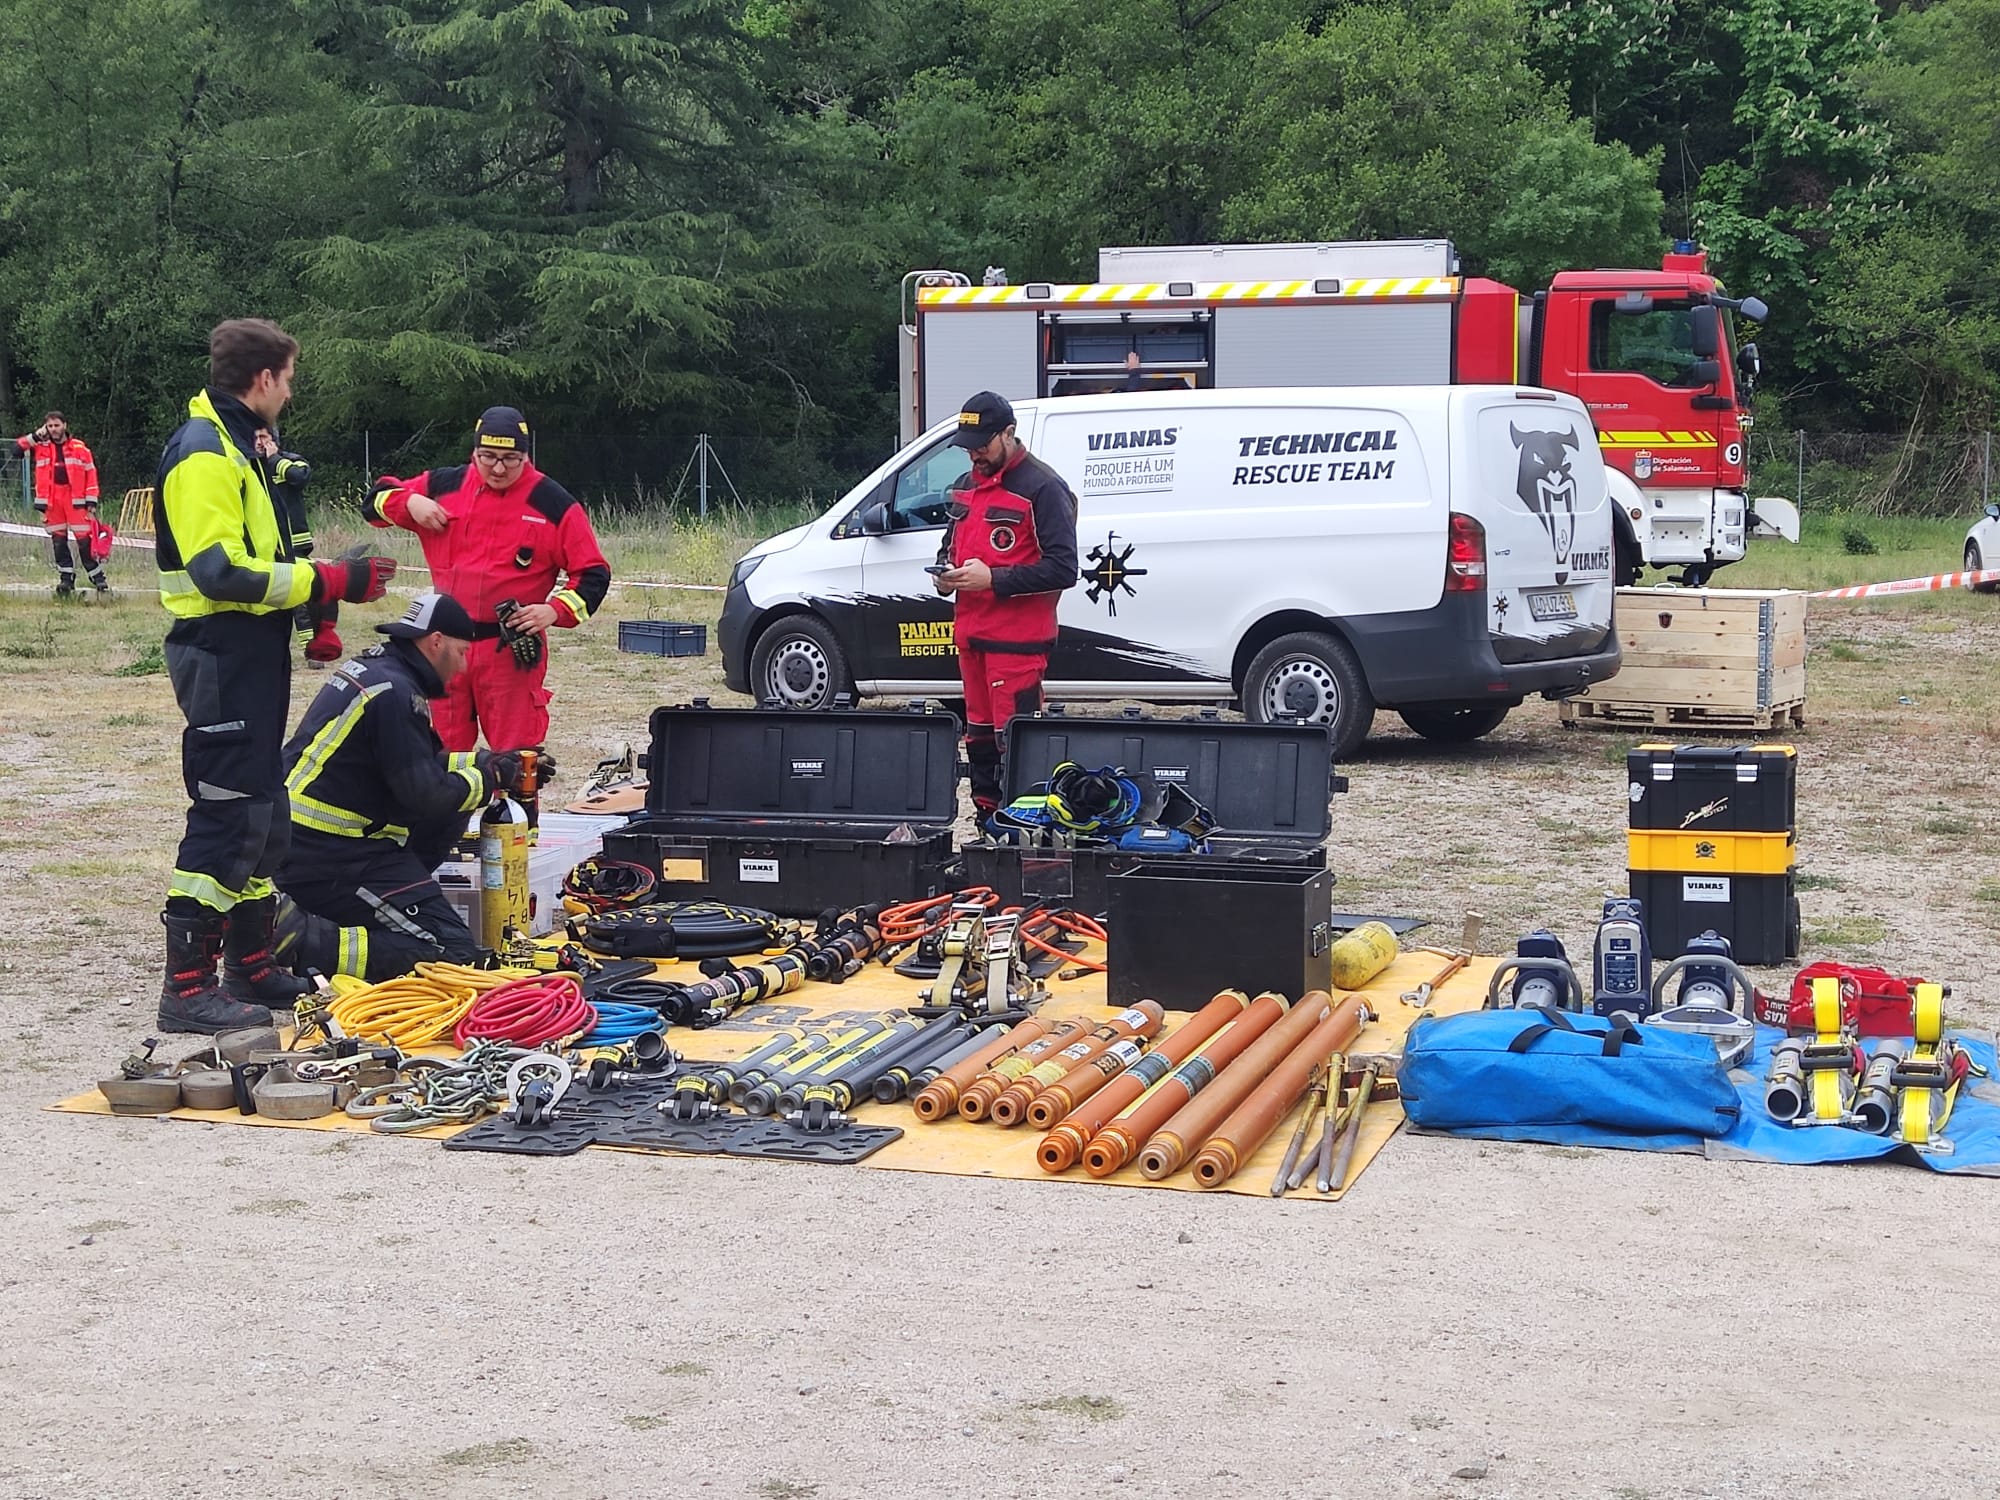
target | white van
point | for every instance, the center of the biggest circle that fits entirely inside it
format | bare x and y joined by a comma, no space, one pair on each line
1440,550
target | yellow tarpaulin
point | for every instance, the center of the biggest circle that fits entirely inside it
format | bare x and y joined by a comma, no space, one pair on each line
959,1147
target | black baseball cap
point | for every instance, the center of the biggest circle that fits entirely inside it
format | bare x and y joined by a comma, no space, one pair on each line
982,419
501,429
431,612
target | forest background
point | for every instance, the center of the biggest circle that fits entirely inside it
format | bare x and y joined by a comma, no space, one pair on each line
681,217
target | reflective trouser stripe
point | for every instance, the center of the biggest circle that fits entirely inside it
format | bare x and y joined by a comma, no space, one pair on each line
206,889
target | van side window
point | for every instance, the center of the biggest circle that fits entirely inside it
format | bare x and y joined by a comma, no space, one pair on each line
924,485
1657,342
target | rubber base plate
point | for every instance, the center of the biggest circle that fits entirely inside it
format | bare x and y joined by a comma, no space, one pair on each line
628,1117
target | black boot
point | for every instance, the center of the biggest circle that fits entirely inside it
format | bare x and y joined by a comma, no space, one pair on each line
982,771
250,968
190,999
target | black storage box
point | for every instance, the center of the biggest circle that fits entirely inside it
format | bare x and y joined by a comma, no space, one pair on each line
1759,914
796,812
1179,934
1714,789
1712,845
1268,786
662,638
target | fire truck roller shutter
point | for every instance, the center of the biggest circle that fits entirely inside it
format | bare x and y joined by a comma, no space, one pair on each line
1342,343
987,349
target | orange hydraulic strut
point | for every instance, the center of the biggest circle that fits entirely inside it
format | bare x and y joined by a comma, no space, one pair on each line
1141,1022
988,1086
938,1098
1107,1097
1121,1140
1237,1138
1188,1131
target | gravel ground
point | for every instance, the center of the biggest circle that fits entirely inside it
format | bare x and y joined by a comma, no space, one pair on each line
198,1310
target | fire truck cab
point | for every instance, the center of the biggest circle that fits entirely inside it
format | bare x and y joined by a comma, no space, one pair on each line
1653,355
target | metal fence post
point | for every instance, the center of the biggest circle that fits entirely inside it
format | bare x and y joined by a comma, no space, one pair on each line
1801,432
701,478
1986,470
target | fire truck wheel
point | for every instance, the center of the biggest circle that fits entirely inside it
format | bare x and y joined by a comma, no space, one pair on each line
1315,679
798,663
1453,726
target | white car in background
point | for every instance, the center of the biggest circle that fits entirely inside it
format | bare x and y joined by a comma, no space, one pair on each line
1982,546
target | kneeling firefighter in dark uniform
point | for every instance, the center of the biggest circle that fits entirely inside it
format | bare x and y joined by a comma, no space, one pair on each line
377,804
1008,554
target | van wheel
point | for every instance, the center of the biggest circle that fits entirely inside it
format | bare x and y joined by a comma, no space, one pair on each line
798,663
1453,726
1316,680
1975,563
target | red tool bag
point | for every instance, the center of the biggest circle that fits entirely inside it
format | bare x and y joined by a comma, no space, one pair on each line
1873,1002
100,540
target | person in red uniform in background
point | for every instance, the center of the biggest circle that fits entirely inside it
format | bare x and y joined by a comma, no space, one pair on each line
497,530
66,497
1008,553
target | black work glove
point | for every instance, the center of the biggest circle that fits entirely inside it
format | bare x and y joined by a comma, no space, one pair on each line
545,769
502,770
360,580
526,645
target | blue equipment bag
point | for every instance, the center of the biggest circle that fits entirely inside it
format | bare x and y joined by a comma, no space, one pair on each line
1534,1067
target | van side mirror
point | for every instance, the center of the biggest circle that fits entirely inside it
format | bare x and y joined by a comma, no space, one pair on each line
1993,511
874,518
1704,331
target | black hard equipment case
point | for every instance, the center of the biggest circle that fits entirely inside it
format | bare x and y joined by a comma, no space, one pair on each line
796,812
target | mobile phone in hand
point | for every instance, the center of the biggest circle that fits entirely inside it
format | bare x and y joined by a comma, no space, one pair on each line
934,569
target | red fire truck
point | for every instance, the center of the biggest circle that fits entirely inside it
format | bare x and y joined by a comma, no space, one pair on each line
1653,355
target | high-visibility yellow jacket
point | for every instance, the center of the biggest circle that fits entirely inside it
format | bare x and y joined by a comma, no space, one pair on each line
219,545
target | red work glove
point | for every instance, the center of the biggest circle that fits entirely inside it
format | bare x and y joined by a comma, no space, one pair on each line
361,581
325,643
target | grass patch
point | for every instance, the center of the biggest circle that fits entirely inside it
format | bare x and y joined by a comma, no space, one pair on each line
640,1421
39,644
1819,882
128,721
1988,891
1847,932
150,662
1841,651
1905,547
276,1208
514,1450
686,1369
1088,1408
1950,824
775,1488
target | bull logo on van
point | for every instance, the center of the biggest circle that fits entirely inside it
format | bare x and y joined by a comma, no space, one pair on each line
1547,486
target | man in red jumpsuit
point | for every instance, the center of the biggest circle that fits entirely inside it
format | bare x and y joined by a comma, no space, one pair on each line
1008,553
494,531
66,498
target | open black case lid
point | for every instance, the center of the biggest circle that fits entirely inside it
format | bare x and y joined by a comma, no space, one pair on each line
842,765
1271,781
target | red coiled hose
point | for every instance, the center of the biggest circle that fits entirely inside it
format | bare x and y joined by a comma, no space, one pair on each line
528,1012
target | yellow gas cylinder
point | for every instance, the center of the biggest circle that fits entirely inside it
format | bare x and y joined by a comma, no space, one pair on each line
503,871
1362,954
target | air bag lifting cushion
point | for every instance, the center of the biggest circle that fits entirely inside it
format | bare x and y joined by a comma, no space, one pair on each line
1544,1067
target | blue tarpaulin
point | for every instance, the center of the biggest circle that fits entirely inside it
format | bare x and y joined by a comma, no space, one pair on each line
1974,1129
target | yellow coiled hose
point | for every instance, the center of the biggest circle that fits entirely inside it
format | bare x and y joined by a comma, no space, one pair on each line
415,1009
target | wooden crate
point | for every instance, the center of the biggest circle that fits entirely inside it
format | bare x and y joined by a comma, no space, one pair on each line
1722,659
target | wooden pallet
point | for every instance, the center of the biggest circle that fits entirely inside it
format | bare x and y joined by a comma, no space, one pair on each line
1696,717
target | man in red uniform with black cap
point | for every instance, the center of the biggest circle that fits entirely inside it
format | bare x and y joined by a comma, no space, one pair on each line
496,533
1009,552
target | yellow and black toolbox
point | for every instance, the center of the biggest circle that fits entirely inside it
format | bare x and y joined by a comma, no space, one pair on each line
1713,844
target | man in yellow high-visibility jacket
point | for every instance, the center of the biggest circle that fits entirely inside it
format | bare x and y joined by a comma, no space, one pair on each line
230,579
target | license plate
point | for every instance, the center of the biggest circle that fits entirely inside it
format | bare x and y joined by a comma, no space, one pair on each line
1552,604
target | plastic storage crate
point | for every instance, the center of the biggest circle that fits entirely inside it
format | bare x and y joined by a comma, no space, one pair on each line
662,638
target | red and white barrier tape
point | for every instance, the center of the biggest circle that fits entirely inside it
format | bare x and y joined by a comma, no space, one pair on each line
15,528
1928,585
